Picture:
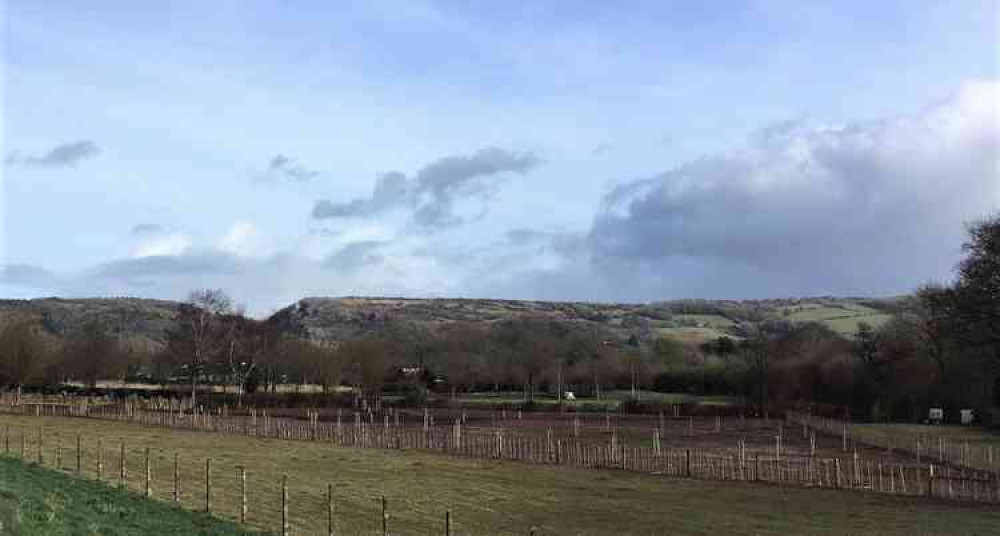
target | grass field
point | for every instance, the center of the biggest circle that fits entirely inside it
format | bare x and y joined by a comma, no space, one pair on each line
906,435
609,400
693,335
35,500
717,321
487,497
842,318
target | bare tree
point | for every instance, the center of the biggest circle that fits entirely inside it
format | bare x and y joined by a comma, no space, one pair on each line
200,333
756,349
245,341
93,354
23,354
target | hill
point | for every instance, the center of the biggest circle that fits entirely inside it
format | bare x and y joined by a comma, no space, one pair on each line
686,320
139,321
146,322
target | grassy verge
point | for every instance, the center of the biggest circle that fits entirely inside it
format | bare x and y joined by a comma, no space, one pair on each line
487,497
36,500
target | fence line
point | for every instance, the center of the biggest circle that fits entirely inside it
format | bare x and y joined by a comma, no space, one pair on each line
931,449
259,502
849,472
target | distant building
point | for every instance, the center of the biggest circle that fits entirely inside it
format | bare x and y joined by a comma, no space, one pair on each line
411,370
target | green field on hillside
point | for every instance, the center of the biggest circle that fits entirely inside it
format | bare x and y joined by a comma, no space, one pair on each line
37,501
715,321
693,335
487,497
840,317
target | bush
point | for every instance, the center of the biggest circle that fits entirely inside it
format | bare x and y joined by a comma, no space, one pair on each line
414,397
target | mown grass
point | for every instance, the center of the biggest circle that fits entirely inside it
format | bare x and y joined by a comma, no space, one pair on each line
488,497
36,501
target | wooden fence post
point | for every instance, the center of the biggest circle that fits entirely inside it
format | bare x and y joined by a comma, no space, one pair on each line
149,476
243,494
121,466
208,485
79,455
177,480
385,517
687,458
284,505
41,460
447,523
100,460
329,509
930,480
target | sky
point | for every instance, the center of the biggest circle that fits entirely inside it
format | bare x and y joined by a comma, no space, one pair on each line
562,150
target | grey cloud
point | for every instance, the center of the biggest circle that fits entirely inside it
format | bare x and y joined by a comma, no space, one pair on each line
433,192
148,229
66,154
354,256
194,264
390,191
447,176
26,274
289,168
870,207
523,236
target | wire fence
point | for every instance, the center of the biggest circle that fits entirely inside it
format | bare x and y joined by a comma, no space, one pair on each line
850,471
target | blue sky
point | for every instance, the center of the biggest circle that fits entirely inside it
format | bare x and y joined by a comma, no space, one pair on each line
628,151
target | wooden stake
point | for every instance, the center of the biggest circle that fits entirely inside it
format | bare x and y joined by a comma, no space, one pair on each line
329,507
177,480
208,485
284,505
100,460
243,494
385,517
121,466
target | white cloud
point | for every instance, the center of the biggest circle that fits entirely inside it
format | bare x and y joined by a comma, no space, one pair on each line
865,207
162,243
244,239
